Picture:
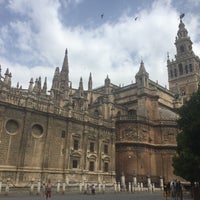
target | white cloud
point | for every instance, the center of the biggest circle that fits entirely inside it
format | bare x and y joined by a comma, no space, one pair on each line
113,49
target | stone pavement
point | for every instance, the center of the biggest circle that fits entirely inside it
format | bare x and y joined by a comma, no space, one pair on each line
106,196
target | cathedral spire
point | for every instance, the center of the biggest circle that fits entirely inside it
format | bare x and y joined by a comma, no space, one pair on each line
80,87
55,81
90,82
44,89
30,88
81,84
142,76
7,79
65,72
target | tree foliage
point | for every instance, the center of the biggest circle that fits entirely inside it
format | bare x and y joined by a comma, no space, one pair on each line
187,161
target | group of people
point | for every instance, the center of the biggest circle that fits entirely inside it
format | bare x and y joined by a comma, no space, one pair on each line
173,189
46,188
91,189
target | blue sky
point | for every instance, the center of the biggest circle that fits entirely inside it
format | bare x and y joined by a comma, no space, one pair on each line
35,33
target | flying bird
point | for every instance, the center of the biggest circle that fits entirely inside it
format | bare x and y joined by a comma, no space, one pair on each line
101,16
136,18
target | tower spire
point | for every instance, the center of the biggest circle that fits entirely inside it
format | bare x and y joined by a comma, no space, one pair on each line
183,72
80,87
64,72
90,82
142,76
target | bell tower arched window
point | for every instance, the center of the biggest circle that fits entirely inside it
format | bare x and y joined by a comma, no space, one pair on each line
182,48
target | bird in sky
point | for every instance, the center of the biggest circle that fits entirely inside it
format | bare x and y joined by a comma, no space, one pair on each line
136,18
102,16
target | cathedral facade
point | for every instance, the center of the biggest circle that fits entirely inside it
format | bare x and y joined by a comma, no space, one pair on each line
95,135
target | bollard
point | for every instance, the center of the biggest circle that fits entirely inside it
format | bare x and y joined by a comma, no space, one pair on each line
7,187
153,187
99,187
133,187
63,187
129,186
115,187
58,186
38,187
31,188
118,184
85,187
80,187
141,186
161,183
0,186
104,187
138,186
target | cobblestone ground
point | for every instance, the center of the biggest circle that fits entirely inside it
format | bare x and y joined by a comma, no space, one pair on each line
106,196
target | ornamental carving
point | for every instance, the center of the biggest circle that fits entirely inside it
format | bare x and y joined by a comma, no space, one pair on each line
130,134
92,136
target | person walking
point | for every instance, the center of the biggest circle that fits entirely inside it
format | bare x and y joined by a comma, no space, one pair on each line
48,189
44,191
93,189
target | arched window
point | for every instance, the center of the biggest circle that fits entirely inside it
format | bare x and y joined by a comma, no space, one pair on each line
132,113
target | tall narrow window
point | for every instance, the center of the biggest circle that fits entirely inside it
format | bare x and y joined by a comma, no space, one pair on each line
76,144
182,48
105,148
190,67
105,167
75,164
91,166
91,146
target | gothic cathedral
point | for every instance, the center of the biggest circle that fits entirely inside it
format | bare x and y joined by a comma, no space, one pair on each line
95,135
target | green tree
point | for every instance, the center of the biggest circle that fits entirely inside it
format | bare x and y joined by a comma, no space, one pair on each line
187,161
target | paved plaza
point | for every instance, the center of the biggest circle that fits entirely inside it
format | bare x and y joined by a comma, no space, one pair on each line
106,196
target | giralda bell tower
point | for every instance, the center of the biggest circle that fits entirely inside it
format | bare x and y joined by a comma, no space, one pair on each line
184,71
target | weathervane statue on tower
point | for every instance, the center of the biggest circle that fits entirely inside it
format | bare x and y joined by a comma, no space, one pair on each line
182,15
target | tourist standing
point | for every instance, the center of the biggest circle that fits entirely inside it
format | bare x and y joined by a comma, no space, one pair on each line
48,189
